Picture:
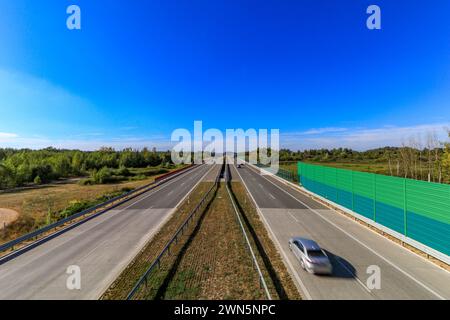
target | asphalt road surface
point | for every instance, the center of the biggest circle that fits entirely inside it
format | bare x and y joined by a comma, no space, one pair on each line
352,248
101,247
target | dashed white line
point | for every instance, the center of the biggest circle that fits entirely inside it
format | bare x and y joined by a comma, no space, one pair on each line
286,259
361,243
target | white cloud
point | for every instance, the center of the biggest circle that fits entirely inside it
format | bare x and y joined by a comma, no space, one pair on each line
5,135
322,131
119,143
364,138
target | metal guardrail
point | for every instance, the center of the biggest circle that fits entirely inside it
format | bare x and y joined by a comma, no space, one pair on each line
156,263
122,198
262,281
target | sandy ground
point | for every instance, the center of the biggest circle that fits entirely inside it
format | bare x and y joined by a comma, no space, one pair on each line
7,216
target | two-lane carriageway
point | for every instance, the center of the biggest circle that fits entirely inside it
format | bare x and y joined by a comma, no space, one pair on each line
354,249
101,247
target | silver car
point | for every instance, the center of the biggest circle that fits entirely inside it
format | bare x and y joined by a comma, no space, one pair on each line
312,258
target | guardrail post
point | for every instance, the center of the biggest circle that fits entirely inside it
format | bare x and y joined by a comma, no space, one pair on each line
405,208
353,194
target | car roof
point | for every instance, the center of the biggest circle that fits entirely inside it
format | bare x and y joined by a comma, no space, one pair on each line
307,243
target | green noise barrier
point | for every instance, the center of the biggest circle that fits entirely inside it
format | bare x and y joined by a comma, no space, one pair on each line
416,209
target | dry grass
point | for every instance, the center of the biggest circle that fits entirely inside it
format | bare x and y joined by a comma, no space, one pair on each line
210,261
7,216
37,202
34,205
217,264
269,256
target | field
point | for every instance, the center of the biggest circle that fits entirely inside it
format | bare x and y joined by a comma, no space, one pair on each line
33,205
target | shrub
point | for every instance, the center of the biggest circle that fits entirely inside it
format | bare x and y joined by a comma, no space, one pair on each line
38,180
102,176
86,182
75,207
123,171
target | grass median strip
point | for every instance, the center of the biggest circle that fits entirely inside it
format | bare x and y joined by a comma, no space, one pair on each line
277,276
210,261
215,263
129,277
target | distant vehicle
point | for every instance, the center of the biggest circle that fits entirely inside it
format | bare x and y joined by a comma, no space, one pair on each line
312,258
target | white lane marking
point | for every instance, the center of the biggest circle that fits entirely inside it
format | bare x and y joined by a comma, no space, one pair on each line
338,259
99,222
152,233
157,189
277,242
361,243
271,195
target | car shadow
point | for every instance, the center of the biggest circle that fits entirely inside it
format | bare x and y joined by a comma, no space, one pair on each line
341,267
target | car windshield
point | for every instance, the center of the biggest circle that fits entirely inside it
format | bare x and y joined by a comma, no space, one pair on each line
316,253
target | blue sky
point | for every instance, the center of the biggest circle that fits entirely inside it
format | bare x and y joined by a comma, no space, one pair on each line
140,69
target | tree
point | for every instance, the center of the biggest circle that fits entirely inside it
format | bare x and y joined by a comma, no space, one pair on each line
446,161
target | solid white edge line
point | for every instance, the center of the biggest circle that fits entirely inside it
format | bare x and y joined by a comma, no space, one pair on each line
360,242
293,272
338,260
157,189
335,207
153,232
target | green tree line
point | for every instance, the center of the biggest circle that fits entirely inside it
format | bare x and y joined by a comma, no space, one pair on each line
430,162
24,166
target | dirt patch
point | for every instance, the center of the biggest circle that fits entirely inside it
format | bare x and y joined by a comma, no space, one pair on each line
7,216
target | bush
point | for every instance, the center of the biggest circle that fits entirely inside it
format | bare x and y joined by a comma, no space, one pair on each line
86,182
138,177
75,207
123,171
38,180
104,175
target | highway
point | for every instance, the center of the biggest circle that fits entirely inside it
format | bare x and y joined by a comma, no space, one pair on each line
101,247
352,248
